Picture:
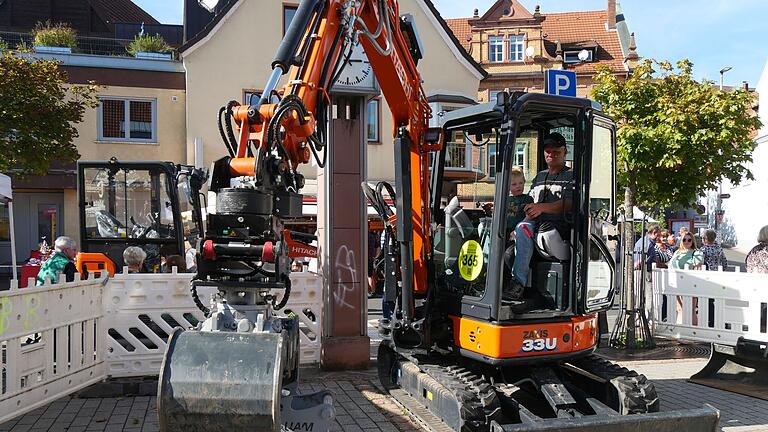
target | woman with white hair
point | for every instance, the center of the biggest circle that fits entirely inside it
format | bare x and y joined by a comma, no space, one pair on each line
65,251
134,257
757,258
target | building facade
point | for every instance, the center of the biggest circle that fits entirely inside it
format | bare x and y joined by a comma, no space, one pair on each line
517,47
141,115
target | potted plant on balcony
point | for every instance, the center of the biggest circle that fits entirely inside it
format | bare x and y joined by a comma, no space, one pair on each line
57,38
148,46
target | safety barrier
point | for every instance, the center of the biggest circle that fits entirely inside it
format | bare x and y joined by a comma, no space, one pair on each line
51,343
58,338
140,311
710,306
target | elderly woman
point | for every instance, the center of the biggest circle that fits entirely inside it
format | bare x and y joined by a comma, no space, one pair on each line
134,257
757,258
65,251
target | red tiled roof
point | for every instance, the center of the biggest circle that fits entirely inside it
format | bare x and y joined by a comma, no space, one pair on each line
461,29
573,27
125,11
567,28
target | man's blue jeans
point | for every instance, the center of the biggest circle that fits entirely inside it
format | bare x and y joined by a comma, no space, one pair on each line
523,251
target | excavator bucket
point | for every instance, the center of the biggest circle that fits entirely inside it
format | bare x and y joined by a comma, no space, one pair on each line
741,369
221,381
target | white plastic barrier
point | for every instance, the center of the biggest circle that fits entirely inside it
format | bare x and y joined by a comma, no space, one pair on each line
56,339
51,343
717,306
306,302
141,310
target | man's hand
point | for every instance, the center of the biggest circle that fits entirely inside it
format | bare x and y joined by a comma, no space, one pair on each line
532,211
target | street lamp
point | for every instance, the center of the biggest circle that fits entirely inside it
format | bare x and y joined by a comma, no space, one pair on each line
722,73
718,212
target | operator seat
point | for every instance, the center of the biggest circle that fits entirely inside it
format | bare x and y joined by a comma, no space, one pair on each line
458,229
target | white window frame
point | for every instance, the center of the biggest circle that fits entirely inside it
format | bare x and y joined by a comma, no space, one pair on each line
521,154
492,166
126,120
499,42
573,56
519,42
377,120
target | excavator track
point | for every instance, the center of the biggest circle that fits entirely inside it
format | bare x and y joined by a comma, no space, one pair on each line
588,394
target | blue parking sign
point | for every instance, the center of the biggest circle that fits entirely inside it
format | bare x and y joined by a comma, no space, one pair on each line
561,82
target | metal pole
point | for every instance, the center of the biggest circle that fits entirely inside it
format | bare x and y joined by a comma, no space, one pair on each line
13,242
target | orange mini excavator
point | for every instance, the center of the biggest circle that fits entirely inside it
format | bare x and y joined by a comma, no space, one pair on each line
452,345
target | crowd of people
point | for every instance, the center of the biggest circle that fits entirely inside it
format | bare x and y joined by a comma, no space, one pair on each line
62,262
667,250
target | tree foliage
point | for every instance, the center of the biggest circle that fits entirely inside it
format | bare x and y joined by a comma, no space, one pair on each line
677,137
38,113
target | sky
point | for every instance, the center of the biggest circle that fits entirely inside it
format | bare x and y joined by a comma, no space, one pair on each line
713,34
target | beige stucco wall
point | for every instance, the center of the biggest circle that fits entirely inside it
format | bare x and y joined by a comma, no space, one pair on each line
169,146
236,57
171,129
217,72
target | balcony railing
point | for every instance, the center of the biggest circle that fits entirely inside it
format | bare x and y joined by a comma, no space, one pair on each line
461,156
85,44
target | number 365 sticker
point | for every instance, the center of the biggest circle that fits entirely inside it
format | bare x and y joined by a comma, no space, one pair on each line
470,260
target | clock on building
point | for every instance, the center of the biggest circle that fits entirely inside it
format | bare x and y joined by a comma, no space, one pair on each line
357,74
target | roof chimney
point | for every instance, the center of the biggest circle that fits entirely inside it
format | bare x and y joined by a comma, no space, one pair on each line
611,11
476,14
745,84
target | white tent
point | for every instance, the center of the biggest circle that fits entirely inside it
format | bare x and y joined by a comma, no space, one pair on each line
6,196
637,215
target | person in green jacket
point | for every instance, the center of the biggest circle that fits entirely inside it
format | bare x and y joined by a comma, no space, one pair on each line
65,251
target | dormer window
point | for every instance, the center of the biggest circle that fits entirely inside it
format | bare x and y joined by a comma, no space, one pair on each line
516,48
573,56
495,49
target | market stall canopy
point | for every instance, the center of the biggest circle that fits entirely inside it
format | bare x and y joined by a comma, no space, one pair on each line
637,215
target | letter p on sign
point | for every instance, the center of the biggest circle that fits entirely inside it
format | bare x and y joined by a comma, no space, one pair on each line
561,82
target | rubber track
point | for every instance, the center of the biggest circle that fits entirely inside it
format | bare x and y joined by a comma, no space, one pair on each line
634,394
477,398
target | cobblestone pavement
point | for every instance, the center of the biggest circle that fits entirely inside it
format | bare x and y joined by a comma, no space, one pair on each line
362,406
738,413
359,402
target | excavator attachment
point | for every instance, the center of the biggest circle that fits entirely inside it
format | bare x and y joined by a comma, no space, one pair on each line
229,381
741,369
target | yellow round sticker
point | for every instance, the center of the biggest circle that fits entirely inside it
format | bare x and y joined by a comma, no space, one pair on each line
470,260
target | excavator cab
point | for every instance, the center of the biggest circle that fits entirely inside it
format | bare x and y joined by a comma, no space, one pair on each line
572,265
150,204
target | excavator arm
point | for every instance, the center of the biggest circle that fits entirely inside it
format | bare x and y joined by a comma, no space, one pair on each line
238,371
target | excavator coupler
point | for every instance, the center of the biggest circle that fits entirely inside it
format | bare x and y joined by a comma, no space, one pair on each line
231,381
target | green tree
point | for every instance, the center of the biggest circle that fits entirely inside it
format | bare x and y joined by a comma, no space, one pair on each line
677,138
38,112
